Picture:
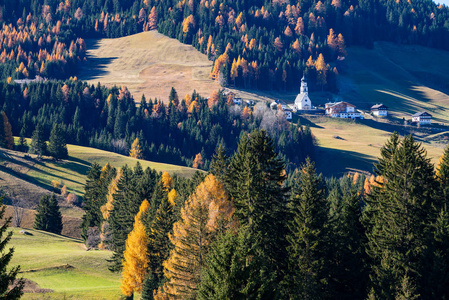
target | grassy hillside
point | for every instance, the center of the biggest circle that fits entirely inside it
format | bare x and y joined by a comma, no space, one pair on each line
407,79
148,63
26,178
71,172
64,266
345,146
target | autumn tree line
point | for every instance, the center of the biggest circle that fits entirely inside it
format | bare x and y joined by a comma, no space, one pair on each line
187,127
254,44
250,230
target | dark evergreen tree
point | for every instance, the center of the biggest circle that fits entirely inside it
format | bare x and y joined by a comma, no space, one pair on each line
48,217
346,258
256,175
233,271
10,287
57,146
159,224
38,145
23,145
93,195
401,208
307,238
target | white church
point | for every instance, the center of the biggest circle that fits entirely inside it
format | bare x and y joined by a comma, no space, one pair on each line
302,101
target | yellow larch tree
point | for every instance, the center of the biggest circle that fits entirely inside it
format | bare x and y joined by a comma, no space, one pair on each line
167,181
135,263
207,212
321,69
106,211
136,150
173,197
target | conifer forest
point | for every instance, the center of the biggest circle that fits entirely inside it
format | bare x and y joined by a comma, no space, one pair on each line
204,196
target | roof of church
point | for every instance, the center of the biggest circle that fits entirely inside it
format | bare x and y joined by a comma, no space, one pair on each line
301,97
303,78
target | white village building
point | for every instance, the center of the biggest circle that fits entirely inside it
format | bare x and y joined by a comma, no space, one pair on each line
302,101
422,118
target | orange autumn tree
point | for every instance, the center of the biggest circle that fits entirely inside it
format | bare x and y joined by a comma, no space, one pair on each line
198,161
135,263
206,213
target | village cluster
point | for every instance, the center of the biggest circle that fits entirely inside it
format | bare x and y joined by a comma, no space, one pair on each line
337,109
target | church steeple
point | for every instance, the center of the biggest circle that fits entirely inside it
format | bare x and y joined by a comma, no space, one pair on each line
304,88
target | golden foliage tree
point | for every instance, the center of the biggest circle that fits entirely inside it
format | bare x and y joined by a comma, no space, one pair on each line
172,197
167,181
198,161
135,263
136,150
205,213
321,68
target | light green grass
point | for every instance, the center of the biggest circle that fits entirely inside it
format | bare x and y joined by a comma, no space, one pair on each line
39,256
73,171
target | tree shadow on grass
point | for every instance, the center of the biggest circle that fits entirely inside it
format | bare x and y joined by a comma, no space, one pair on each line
94,67
334,162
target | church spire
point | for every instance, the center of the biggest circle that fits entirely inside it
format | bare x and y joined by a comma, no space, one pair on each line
304,88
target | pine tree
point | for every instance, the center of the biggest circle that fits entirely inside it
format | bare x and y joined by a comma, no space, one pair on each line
38,145
57,146
135,262
307,237
442,174
255,183
6,138
8,276
48,217
23,145
233,271
400,210
94,198
348,274
202,218
159,226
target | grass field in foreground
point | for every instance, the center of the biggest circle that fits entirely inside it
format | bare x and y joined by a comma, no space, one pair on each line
63,265
148,63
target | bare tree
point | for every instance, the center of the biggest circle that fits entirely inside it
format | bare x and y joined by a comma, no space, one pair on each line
18,212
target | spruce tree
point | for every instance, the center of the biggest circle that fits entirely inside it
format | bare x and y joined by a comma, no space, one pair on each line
255,182
159,226
8,275
57,146
38,145
443,176
400,211
346,258
48,217
307,237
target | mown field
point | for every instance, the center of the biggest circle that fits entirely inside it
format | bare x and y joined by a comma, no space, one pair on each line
348,146
64,266
148,63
